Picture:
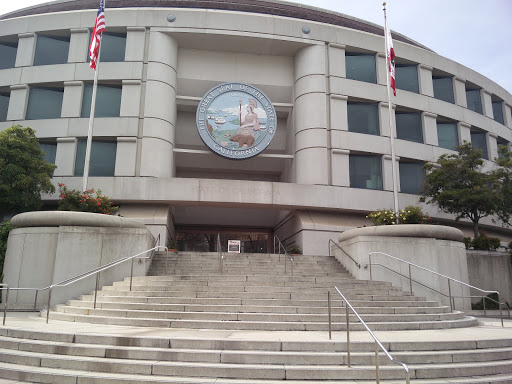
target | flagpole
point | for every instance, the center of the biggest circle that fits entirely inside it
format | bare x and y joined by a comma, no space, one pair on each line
391,128
91,118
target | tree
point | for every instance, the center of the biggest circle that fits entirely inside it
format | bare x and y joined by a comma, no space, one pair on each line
24,174
503,175
459,186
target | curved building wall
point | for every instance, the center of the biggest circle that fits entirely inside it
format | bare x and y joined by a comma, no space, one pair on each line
330,160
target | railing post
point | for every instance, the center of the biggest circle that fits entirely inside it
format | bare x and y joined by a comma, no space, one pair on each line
370,262
348,336
96,289
131,278
450,295
377,368
329,311
49,300
485,311
410,280
5,305
501,313
35,300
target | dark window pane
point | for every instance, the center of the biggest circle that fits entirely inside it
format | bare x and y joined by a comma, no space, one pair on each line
474,100
443,89
408,127
8,55
501,143
49,149
103,158
365,171
4,106
479,141
113,47
44,103
363,118
447,135
412,177
108,101
51,50
497,110
361,67
407,78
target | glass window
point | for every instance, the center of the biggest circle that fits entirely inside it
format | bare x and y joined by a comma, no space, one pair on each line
4,106
497,111
479,141
8,55
474,100
363,118
406,78
501,143
365,171
412,177
409,127
108,101
44,103
113,47
103,158
443,89
361,66
447,135
49,149
51,50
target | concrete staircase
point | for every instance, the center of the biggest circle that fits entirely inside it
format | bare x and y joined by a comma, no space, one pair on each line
253,293
249,325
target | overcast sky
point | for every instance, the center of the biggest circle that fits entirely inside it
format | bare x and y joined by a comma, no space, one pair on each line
477,34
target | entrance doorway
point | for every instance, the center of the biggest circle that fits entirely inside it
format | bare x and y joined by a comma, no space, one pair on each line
204,239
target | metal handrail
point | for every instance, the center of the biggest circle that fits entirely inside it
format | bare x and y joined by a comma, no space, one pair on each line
378,344
6,300
280,245
220,254
449,279
82,276
342,250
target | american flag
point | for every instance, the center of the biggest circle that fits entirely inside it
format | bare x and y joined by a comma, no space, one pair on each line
99,28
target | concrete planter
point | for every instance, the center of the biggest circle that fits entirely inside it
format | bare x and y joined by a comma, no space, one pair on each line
49,247
435,247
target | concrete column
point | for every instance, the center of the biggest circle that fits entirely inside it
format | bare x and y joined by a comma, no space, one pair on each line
380,62
459,90
387,173
339,116
492,142
18,102
487,103
126,155
507,115
26,49
464,132
310,116
340,160
425,80
385,129
65,156
130,98
157,141
429,121
337,65
72,99
78,45
135,39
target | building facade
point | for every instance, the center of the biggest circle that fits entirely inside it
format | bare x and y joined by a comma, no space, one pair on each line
329,161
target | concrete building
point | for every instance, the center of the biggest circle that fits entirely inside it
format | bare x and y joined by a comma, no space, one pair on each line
328,163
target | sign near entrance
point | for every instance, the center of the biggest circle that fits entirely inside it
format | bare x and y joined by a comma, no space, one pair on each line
233,246
236,120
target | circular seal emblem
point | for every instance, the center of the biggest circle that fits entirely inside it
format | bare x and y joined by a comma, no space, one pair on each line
236,120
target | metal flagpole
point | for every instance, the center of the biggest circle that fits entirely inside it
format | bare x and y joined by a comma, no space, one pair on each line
91,118
391,127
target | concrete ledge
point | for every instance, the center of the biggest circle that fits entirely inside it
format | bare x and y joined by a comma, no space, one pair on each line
439,232
69,218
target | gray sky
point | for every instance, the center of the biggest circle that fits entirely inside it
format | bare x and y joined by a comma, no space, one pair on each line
477,34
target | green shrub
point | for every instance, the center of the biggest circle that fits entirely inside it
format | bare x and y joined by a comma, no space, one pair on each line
484,243
295,249
409,215
468,242
74,200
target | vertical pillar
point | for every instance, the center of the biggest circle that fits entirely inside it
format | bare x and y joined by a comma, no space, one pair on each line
492,143
486,103
387,173
135,42
430,128
340,167
78,44
72,99
158,132
464,132
380,62
26,49
385,129
65,156
507,115
18,102
425,80
130,98
459,90
126,155
310,116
